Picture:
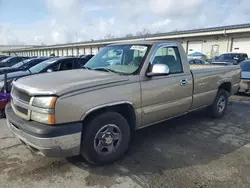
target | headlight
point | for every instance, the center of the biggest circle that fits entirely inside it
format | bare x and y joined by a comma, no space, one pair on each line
43,118
44,113
44,102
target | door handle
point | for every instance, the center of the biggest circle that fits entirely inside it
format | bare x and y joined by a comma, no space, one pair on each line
183,82
201,83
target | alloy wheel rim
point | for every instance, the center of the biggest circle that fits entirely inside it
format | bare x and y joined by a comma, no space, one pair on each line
107,139
221,104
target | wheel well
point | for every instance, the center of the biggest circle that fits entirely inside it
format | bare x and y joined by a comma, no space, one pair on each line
227,86
126,110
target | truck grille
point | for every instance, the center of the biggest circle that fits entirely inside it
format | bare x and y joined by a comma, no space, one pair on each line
20,95
20,102
21,110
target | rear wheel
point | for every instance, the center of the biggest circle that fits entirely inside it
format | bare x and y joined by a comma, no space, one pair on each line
105,138
219,106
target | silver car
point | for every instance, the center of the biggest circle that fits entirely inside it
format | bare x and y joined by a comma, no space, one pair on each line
194,61
245,76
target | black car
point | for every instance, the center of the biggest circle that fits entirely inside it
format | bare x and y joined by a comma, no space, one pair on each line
10,61
3,57
88,57
23,65
230,59
50,65
196,62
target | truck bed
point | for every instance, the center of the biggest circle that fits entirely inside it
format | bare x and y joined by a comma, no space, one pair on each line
213,68
192,67
208,78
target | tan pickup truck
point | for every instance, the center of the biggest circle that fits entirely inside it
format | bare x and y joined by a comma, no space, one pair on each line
125,87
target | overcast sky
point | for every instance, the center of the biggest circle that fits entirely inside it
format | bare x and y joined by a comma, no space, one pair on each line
61,21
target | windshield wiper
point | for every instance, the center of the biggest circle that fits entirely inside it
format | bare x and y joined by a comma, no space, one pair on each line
106,70
88,68
29,71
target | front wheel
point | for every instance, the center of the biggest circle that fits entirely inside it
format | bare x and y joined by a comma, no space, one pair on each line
105,138
219,106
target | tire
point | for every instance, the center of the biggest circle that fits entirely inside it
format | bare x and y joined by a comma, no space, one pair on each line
218,108
3,113
100,125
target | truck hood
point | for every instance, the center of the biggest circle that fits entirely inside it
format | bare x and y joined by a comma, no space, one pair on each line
63,82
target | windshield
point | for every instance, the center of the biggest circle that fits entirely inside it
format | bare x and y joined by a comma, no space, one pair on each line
7,59
39,67
21,63
123,59
228,56
245,66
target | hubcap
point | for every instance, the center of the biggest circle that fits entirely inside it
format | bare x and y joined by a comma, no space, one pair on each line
221,104
107,139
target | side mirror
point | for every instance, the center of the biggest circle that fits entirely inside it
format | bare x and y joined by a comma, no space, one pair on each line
159,70
49,70
24,68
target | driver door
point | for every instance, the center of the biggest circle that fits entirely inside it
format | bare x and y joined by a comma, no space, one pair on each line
164,97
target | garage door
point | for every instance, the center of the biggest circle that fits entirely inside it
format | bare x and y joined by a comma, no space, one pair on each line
60,52
87,51
75,52
81,51
43,52
94,50
56,52
194,46
70,52
241,45
65,52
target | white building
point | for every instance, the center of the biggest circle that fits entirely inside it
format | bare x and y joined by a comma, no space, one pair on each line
11,47
209,41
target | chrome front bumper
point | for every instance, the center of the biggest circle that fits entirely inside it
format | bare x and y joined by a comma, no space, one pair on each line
63,146
48,141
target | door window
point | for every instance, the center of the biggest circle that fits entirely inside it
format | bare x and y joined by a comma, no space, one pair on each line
169,56
80,62
54,67
244,57
66,64
14,61
198,62
33,63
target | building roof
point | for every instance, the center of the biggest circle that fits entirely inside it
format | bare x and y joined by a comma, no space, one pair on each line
145,42
167,35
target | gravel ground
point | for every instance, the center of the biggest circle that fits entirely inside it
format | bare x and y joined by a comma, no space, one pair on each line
191,151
